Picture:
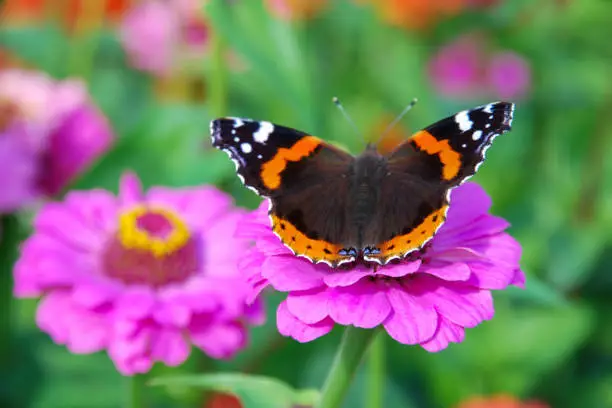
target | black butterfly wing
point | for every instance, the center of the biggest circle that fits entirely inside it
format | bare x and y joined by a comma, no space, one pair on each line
304,177
423,170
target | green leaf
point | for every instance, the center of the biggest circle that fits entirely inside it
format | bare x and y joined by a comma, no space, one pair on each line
253,391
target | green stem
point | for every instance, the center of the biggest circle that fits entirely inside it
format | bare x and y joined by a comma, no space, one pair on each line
350,353
218,77
9,243
134,391
376,373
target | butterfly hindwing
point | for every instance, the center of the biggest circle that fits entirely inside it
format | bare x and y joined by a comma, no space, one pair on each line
300,174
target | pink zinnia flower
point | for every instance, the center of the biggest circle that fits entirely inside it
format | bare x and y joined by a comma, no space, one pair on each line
155,32
428,300
51,132
141,275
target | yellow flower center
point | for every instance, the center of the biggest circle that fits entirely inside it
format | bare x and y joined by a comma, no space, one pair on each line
152,229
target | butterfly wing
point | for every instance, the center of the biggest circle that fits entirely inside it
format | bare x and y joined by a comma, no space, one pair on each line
303,177
423,170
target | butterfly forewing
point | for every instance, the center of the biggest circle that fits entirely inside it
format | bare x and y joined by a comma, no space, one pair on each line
303,176
423,170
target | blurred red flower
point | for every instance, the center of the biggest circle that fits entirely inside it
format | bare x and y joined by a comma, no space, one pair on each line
500,401
421,14
296,9
72,13
223,401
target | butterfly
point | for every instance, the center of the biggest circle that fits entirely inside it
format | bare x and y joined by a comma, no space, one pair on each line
329,206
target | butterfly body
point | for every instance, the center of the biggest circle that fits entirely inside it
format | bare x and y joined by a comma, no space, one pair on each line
330,206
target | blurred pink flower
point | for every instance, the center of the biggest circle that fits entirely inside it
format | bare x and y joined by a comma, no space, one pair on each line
509,75
466,69
156,32
52,129
142,275
427,300
456,70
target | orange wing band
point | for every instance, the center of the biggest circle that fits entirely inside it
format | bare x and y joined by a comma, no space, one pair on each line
415,239
315,249
450,159
271,170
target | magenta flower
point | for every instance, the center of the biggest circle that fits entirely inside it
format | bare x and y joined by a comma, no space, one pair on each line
509,75
51,132
141,275
155,32
456,69
428,300
465,68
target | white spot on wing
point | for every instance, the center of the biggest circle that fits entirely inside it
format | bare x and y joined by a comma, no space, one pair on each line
488,108
264,131
236,139
246,148
477,135
463,121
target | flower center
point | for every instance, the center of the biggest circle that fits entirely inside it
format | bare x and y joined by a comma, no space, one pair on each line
153,246
156,230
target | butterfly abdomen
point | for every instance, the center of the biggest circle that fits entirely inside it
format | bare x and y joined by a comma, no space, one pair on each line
367,173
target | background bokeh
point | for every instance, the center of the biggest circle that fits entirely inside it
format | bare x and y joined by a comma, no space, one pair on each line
160,72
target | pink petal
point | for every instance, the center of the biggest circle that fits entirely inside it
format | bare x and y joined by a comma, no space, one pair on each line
490,276
131,354
256,313
412,321
130,189
447,333
288,325
518,279
169,346
462,305
82,331
90,295
501,249
57,221
96,209
172,314
399,270
218,340
364,305
468,202
136,303
287,273
308,306
462,235
346,278
271,245
456,271
49,315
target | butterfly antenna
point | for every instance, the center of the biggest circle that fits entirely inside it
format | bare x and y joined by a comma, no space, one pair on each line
396,120
338,104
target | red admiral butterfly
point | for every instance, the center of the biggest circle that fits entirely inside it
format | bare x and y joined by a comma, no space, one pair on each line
332,207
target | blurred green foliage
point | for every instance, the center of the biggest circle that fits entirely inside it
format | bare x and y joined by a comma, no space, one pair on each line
550,177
